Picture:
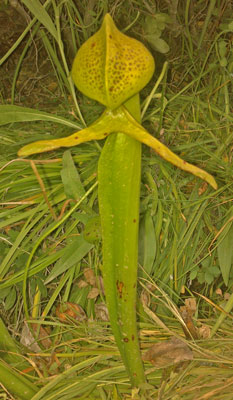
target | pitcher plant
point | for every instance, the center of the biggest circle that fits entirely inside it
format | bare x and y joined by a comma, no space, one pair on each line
112,68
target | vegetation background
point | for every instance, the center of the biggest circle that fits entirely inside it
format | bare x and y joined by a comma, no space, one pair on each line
50,241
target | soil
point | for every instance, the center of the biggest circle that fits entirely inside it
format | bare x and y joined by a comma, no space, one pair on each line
36,84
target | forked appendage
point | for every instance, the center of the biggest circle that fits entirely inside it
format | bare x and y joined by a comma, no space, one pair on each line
112,121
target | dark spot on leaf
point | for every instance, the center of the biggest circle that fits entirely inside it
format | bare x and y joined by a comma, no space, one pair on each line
126,340
120,286
132,337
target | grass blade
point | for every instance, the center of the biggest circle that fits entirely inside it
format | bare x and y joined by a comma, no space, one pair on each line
10,114
41,14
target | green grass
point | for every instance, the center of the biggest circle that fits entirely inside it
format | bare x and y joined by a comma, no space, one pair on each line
186,227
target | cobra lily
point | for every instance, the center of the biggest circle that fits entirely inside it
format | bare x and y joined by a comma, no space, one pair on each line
112,68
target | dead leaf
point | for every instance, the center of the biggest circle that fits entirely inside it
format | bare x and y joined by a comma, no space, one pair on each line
189,329
151,286
94,292
187,313
204,332
101,312
202,189
145,297
82,284
227,296
30,341
218,291
67,312
169,352
191,305
90,276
